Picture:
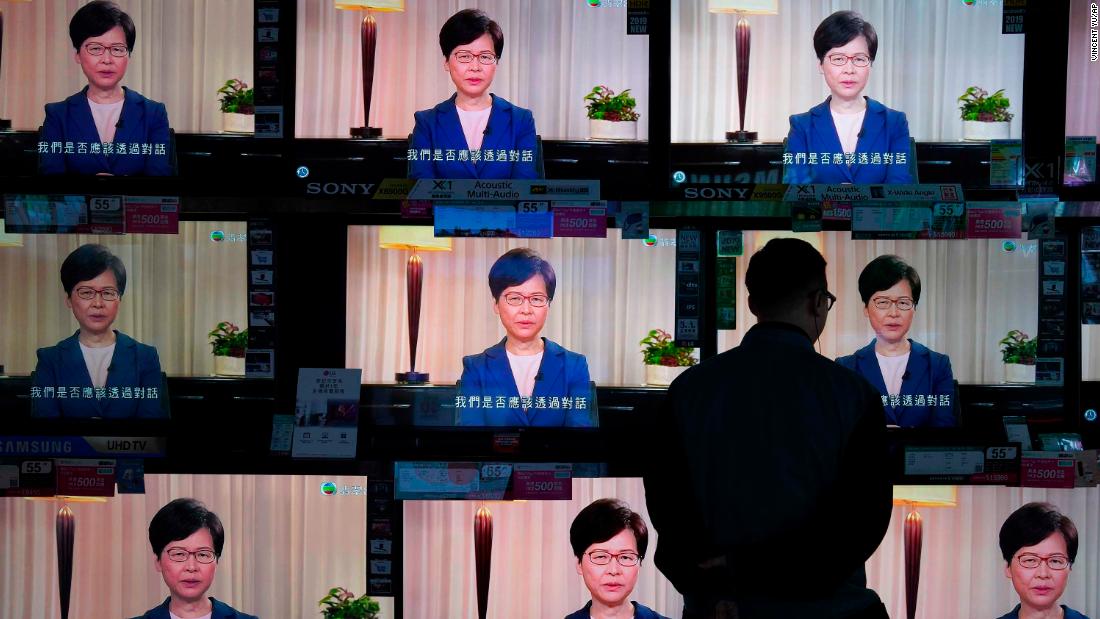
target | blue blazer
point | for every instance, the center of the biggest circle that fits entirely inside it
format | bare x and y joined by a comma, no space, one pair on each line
927,372
221,610
563,374
640,612
143,121
133,365
884,131
510,128
1068,613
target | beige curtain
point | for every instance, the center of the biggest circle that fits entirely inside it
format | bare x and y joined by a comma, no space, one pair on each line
178,287
554,53
533,566
185,51
611,292
286,545
929,52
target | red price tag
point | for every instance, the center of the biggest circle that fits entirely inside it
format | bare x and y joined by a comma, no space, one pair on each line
993,223
580,221
1047,472
152,217
86,477
542,484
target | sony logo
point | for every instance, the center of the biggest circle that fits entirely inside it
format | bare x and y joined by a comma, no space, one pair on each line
340,189
716,193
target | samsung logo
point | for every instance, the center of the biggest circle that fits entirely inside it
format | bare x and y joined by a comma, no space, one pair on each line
340,189
35,447
712,193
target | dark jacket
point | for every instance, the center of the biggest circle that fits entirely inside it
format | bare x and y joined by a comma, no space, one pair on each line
510,128
884,131
1069,613
640,612
221,611
133,365
562,373
775,458
927,373
143,121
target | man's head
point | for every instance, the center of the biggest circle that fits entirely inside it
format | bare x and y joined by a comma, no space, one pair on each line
786,282
187,542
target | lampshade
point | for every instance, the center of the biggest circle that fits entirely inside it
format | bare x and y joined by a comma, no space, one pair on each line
744,7
926,496
9,240
385,6
68,499
417,238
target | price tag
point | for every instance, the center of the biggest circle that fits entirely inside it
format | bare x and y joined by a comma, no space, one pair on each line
1047,469
580,221
494,471
943,461
428,480
27,478
543,482
105,216
152,215
993,221
36,467
86,477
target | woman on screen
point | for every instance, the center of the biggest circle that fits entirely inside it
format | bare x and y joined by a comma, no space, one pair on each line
524,369
187,541
98,372
474,134
866,134
106,128
916,384
609,541
1039,546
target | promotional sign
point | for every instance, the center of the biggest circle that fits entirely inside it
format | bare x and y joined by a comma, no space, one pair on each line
1048,469
525,219
435,480
938,220
85,477
504,190
978,465
580,220
992,220
151,215
1006,163
326,413
542,482
27,477
689,287
725,292
1080,160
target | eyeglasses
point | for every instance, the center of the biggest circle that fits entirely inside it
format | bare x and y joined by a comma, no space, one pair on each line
830,297
859,60
1054,562
625,559
107,294
883,303
516,299
484,57
118,51
179,555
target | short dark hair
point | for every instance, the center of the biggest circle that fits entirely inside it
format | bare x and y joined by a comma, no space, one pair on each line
1032,524
179,519
604,519
96,18
882,273
838,29
89,262
465,27
517,266
782,272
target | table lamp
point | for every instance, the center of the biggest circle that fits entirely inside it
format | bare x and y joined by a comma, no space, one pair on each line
65,524
743,40
414,238
914,497
5,124
369,34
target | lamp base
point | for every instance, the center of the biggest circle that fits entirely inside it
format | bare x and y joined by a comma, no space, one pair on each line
366,132
5,124
411,378
741,137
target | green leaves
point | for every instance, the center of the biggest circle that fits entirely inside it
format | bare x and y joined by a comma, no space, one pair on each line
604,104
228,340
237,98
658,348
342,604
979,105
1016,347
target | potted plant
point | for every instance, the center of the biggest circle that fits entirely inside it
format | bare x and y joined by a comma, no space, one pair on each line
1018,353
229,344
611,116
664,360
238,107
985,116
342,604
